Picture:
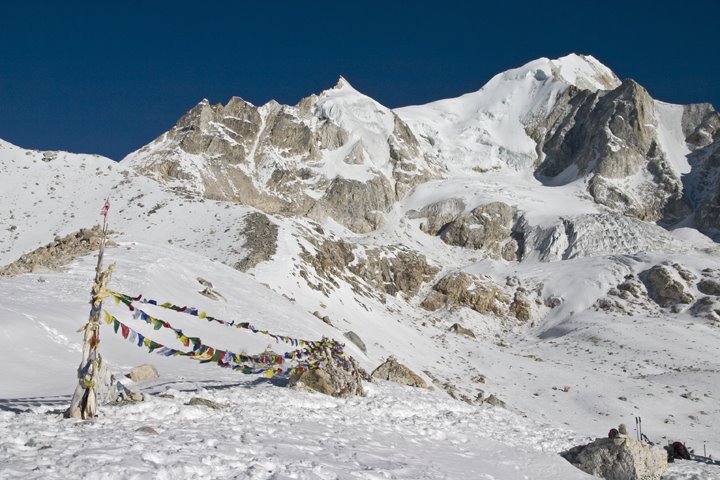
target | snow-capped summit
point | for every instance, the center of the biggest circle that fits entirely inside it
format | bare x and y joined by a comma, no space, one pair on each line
486,129
342,83
584,72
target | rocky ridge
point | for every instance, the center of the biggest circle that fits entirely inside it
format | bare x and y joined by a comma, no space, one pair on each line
283,159
58,253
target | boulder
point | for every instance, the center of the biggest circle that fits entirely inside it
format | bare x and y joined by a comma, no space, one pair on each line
619,459
143,373
212,294
460,330
396,372
521,308
709,287
331,379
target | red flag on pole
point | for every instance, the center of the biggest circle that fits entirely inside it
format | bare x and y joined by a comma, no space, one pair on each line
105,208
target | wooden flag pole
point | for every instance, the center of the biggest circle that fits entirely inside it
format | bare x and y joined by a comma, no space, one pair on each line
84,401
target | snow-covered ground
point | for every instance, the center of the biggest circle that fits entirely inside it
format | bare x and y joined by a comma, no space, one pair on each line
266,431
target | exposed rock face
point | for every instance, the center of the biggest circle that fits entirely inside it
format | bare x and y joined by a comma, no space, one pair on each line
611,136
360,206
514,304
487,227
438,214
260,240
390,270
462,288
664,288
396,372
57,253
628,297
273,157
331,379
701,124
619,459
395,270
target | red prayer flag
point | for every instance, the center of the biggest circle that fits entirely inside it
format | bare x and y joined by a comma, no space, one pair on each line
105,208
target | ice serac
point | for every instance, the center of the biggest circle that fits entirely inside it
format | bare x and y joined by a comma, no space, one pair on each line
338,154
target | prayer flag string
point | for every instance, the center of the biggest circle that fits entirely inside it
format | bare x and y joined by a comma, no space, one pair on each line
129,300
207,354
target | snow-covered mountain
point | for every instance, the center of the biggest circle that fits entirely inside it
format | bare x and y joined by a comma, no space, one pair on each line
562,215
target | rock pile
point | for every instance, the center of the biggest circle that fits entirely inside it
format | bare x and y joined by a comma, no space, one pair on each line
57,253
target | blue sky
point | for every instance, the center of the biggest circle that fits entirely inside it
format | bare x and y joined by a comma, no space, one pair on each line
108,77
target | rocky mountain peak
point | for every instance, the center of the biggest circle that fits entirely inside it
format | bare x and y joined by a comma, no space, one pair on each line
557,119
342,83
